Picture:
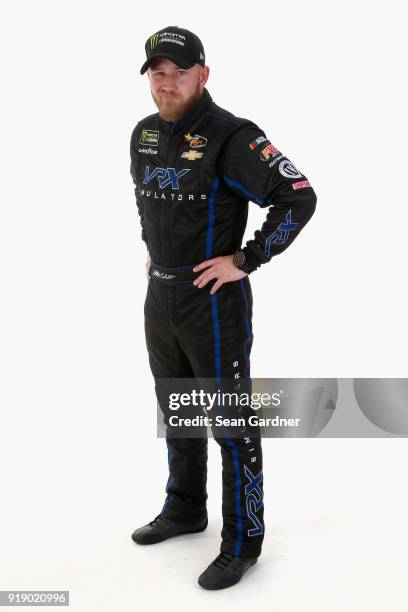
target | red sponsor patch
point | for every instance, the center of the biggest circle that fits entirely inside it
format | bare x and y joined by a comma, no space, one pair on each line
300,185
268,151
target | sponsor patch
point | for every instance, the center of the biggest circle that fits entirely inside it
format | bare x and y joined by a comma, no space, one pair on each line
275,161
281,234
300,185
256,142
253,500
163,275
167,37
165,176
267,151
192,155
196,141
148,151
286,168
149,137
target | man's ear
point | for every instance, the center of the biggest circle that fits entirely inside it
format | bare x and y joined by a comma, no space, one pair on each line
205,73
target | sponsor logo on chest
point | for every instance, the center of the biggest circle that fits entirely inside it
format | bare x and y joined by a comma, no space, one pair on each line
149,137
195,142
165,176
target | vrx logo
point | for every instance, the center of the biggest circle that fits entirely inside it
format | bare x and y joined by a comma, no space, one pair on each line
280,235
165,176
254,500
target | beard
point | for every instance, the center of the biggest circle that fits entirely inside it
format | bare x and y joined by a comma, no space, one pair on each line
172,106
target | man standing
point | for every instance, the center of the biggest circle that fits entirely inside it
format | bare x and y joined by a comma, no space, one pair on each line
195,166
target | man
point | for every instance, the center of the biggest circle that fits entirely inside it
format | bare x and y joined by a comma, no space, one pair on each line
195,166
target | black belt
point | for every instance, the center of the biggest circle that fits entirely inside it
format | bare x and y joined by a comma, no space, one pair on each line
183,274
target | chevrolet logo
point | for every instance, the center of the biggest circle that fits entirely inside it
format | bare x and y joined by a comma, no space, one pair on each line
192,155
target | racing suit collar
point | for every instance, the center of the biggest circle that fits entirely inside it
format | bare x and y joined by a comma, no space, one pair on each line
202,104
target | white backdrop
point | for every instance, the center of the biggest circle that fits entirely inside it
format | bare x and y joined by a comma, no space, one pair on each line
80,464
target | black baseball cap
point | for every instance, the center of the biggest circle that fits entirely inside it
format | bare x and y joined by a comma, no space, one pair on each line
181,46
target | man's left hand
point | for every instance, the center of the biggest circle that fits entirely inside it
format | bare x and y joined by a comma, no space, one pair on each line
220,268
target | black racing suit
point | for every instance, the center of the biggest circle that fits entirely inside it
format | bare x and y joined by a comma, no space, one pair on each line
193,180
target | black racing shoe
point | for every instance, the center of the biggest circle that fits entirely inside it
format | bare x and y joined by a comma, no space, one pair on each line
224,571
162,528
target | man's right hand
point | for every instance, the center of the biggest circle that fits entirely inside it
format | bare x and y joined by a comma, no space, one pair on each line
148,264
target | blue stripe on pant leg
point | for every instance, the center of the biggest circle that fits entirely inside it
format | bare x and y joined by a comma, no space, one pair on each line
234,450
248,327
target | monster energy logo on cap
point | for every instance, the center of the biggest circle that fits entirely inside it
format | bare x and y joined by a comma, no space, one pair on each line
167,37
180,46
154,40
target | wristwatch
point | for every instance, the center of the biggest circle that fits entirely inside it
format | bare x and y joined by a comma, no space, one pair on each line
239,261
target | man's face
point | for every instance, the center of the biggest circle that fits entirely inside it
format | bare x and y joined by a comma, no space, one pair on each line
175,90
